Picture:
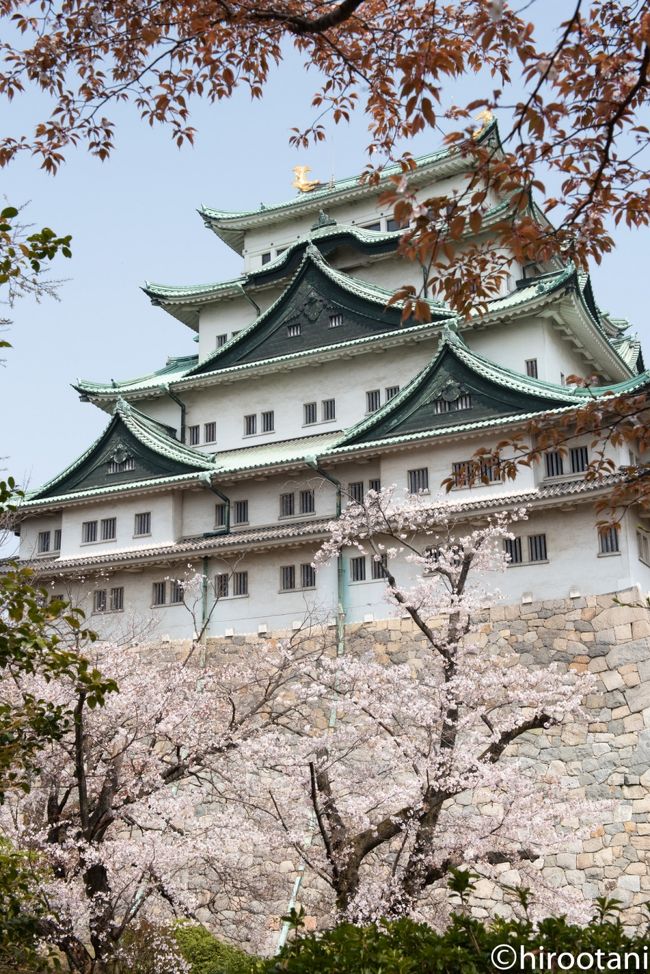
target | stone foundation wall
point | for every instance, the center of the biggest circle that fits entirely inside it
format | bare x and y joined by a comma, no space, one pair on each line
606,757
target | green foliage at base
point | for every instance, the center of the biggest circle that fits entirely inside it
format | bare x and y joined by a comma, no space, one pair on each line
207,955
405,947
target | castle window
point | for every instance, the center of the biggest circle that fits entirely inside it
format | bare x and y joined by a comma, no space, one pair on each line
307,502
418,480
222,585
358,569
268,421
554,463
307,576
142,524
531,367
293,331
355,491
643,545
466,473
43,542
513,550
609,541
287,578
57,540
579,459
159,593
120,466
391,392
194,433
108,529
266,257
219,515
240,583
116,600
88,532
176,592
375,225
537,547
374,484
221,340
99,600
443,405
336,321
329,409
209,432
373,400
379,567
250,424
310,413
287,505
241,512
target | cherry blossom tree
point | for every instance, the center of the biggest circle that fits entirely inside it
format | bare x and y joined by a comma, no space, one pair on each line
405,771
113,816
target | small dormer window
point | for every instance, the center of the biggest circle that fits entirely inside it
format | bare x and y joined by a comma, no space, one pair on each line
451,399
336,321
266,257
293,331
120,462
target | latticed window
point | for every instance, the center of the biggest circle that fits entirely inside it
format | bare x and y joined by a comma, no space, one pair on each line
336,321
461,473
358,569
241,512
120,466
221,340
537,547
287,505
209,432
329,409
194,433
294,330
531,367
608,539
250,424
240,583
391,392
442,405
108,529
308,576
268,421
355,491
579,458
43,542
88,532
554,463
643,544
222,585
116,600
513,550
219,515
99,600
379,566
176,592
373,400
287,578
57,539
159,593
307,502
143,523
418,480
374,484
310,413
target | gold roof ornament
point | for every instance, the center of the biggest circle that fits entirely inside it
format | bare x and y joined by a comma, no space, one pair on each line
300,179
486,117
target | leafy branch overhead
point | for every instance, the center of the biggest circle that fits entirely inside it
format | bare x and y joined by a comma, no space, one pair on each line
571,109
22,255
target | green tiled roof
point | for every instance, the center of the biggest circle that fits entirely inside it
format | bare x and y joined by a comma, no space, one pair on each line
174,369
146,431
270,454
32,500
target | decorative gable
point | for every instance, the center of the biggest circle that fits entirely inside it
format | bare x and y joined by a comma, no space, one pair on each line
133,448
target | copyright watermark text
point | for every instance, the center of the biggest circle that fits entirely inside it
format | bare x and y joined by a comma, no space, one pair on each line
506,957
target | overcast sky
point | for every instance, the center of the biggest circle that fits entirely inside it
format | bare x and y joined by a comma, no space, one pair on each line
134,218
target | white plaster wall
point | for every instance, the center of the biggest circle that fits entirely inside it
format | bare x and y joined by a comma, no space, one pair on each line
29,531
344,381
230,315
512,343
164,522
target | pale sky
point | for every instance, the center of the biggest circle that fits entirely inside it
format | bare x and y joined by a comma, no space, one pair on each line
134,218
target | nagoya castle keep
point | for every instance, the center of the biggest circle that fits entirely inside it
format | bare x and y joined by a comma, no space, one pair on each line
307,391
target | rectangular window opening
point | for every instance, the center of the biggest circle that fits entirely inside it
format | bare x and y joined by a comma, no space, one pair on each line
142,524
579,458
391,392
116,601
358,569
537,547
379,566
209,432
307,576
88,532
287,578
250,424
241,512
418,480
336,321
287,505
222,585
609,540
307,502
355,491
554,463
240,583
531,368
310,414
373,400
328,409
268,421
43,542
219,515
194,433
108,529
99,600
